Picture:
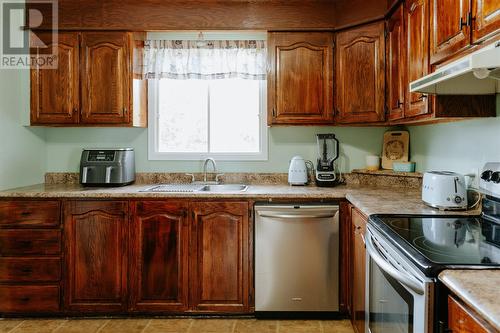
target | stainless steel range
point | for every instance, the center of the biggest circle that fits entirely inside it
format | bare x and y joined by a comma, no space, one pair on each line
406,253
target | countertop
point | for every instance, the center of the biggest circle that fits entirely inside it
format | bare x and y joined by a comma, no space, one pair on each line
369,200
479,289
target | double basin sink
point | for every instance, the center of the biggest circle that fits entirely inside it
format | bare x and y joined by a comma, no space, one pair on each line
191,188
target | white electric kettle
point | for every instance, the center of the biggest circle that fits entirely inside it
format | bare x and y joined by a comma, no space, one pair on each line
297,172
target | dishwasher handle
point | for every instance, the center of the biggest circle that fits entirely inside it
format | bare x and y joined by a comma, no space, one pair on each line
301,216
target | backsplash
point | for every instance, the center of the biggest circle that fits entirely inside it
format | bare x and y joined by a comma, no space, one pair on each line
357,177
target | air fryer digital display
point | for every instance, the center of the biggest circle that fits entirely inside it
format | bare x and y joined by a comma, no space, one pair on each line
101,156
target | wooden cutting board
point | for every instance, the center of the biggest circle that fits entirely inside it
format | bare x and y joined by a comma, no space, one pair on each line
396,148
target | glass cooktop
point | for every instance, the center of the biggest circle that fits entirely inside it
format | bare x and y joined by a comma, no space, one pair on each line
451,241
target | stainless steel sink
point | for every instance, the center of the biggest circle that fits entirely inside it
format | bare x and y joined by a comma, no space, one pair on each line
193,188
225,188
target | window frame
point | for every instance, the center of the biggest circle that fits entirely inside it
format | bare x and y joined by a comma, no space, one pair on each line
153,108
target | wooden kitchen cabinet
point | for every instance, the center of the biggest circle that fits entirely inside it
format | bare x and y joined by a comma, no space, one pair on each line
486,19
30,257
416,16
460,24
220,260
106,71
96,253
462,320
449,27
358,270
345,258
360,75
395,65
300,80
94,84
159,256
55,92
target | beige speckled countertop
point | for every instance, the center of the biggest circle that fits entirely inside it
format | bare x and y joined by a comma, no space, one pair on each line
370,200
479,289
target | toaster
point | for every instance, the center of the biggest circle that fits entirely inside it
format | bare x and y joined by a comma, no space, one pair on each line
107,167
444,190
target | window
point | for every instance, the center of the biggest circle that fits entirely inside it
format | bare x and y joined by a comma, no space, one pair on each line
223,118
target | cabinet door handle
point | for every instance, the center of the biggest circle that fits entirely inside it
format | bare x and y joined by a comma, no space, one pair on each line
125,110
422,97
400,104
463,24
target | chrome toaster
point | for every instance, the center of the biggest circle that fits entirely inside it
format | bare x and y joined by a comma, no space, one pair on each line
107,167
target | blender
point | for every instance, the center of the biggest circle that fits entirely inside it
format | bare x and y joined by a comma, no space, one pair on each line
328,149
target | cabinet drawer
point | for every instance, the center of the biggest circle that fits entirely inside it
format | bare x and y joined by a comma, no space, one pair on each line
29,299
29,214
22,242
30,269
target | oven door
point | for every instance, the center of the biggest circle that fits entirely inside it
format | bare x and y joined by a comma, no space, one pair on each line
399,299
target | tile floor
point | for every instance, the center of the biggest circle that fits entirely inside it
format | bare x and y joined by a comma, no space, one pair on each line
173,326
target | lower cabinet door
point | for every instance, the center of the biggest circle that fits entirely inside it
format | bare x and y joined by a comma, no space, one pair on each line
159,256
96,256
220,257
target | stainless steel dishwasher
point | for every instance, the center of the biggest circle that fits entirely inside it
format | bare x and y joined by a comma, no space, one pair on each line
296,258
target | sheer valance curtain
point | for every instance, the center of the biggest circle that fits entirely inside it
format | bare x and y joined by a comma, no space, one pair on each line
207,60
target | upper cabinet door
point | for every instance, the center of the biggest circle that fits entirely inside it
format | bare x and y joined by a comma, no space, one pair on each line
159,256
106,62
55,92
450,30
220,257
417,48
360,74
300,81
95,235
486,22
395,66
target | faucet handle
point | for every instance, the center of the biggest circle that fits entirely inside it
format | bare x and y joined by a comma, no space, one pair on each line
193,179
217,176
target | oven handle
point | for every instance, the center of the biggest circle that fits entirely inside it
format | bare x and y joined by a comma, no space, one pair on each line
387,267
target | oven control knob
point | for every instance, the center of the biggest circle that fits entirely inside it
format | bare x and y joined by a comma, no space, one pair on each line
495,177
458,200
486,175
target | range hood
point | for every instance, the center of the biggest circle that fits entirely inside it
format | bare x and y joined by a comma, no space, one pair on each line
477,73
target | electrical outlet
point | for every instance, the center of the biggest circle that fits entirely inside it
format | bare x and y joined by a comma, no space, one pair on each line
474,181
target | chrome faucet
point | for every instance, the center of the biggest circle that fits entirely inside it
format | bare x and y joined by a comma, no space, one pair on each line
205,167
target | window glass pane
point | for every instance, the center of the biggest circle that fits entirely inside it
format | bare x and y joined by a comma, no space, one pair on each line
183,117
234,116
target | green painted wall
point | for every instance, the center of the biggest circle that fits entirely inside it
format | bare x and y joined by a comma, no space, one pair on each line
22,149
64,148
459,146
